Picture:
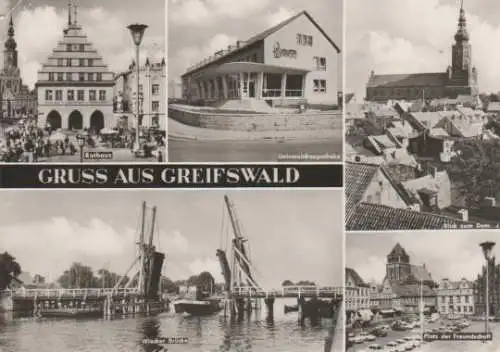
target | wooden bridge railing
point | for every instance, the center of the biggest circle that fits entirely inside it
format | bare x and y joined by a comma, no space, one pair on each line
288,291
77,292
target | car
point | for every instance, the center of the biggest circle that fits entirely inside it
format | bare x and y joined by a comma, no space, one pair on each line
376,347
358,339
392,344
367,337
407,338
400,341
378,332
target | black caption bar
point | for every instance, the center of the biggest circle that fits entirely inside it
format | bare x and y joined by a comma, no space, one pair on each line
169,176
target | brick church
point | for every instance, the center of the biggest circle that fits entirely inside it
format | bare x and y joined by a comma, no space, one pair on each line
459,79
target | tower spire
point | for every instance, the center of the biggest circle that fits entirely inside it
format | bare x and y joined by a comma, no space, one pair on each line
11,27
69,13
462,34
76,14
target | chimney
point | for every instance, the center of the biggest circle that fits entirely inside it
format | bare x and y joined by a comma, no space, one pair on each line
464,213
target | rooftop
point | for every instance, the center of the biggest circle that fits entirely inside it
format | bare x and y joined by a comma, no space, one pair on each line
408,80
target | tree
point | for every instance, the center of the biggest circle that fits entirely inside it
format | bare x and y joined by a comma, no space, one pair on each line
38,279
168,285
191,281
287,283
305,283
9,270
205,282
78,276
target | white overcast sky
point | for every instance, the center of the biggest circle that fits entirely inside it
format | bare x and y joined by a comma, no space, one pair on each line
198,28
406,36
39,25
293,235
446,254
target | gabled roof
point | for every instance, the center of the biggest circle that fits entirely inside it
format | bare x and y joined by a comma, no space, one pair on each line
263,35
373,217
411,290
358,177
408,80
398,251
268,32
420,273
358,281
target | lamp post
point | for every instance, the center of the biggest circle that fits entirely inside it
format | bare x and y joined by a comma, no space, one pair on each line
81,142
487,248
137,31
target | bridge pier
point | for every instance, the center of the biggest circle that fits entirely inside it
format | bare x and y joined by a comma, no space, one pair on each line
269,302
240,306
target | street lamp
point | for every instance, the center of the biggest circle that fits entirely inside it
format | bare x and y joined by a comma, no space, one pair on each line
81,142
487,248
137,31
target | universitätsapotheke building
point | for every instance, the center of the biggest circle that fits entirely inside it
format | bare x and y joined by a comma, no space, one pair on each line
75,86
459,79
292,63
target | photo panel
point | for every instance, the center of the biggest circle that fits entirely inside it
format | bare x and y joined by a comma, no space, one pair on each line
422,291
421,116
255,81
83,81
172,270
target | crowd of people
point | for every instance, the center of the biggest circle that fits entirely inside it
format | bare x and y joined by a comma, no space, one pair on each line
25,142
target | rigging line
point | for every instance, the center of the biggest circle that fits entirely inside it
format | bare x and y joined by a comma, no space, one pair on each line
222,227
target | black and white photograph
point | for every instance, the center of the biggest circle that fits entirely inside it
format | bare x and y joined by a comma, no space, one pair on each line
146,270
422,292
255,81
422,115
82,81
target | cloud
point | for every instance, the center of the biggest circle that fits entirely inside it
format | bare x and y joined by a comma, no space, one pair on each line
279,16
39,29
60,242
190,55
204,12
379,39
206,264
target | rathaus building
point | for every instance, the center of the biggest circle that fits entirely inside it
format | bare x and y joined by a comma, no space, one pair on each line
459,79
75,86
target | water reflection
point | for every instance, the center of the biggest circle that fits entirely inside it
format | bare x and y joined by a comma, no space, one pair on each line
150,329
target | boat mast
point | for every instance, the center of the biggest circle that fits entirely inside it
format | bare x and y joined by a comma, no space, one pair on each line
149,250
422,309
141,250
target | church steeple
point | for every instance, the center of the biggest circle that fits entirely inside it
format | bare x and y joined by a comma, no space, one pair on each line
69,13
10,52
462,35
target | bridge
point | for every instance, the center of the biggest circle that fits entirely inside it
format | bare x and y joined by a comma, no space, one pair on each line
76,294
288,292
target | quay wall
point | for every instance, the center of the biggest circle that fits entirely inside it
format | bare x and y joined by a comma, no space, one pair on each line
263,122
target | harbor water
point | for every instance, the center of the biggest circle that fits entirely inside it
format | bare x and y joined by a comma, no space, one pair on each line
204,334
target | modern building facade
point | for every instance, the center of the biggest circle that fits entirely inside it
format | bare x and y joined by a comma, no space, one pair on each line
152,94
459,79
75,86
455,297
293,63
17,100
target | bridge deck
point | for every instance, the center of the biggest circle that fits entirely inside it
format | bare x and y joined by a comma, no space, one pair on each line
78,293
289,292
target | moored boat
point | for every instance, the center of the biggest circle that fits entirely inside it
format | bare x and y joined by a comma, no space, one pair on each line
198,307
70,313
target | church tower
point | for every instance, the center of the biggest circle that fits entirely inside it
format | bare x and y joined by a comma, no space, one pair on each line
10,51
463,74
398,267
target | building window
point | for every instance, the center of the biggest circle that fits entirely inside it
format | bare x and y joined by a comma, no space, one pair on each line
60,62
82,47
69,76
319,85
71,95
99,76
92,95
51,76
69,47
90,77
68,62
320,63
155,89
91,62
58,95
102,95
48,95
80,95
60,76
155,106
141,88
303,39
81,76
81,62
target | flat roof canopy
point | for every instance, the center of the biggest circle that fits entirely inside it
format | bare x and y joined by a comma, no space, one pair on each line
237,67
